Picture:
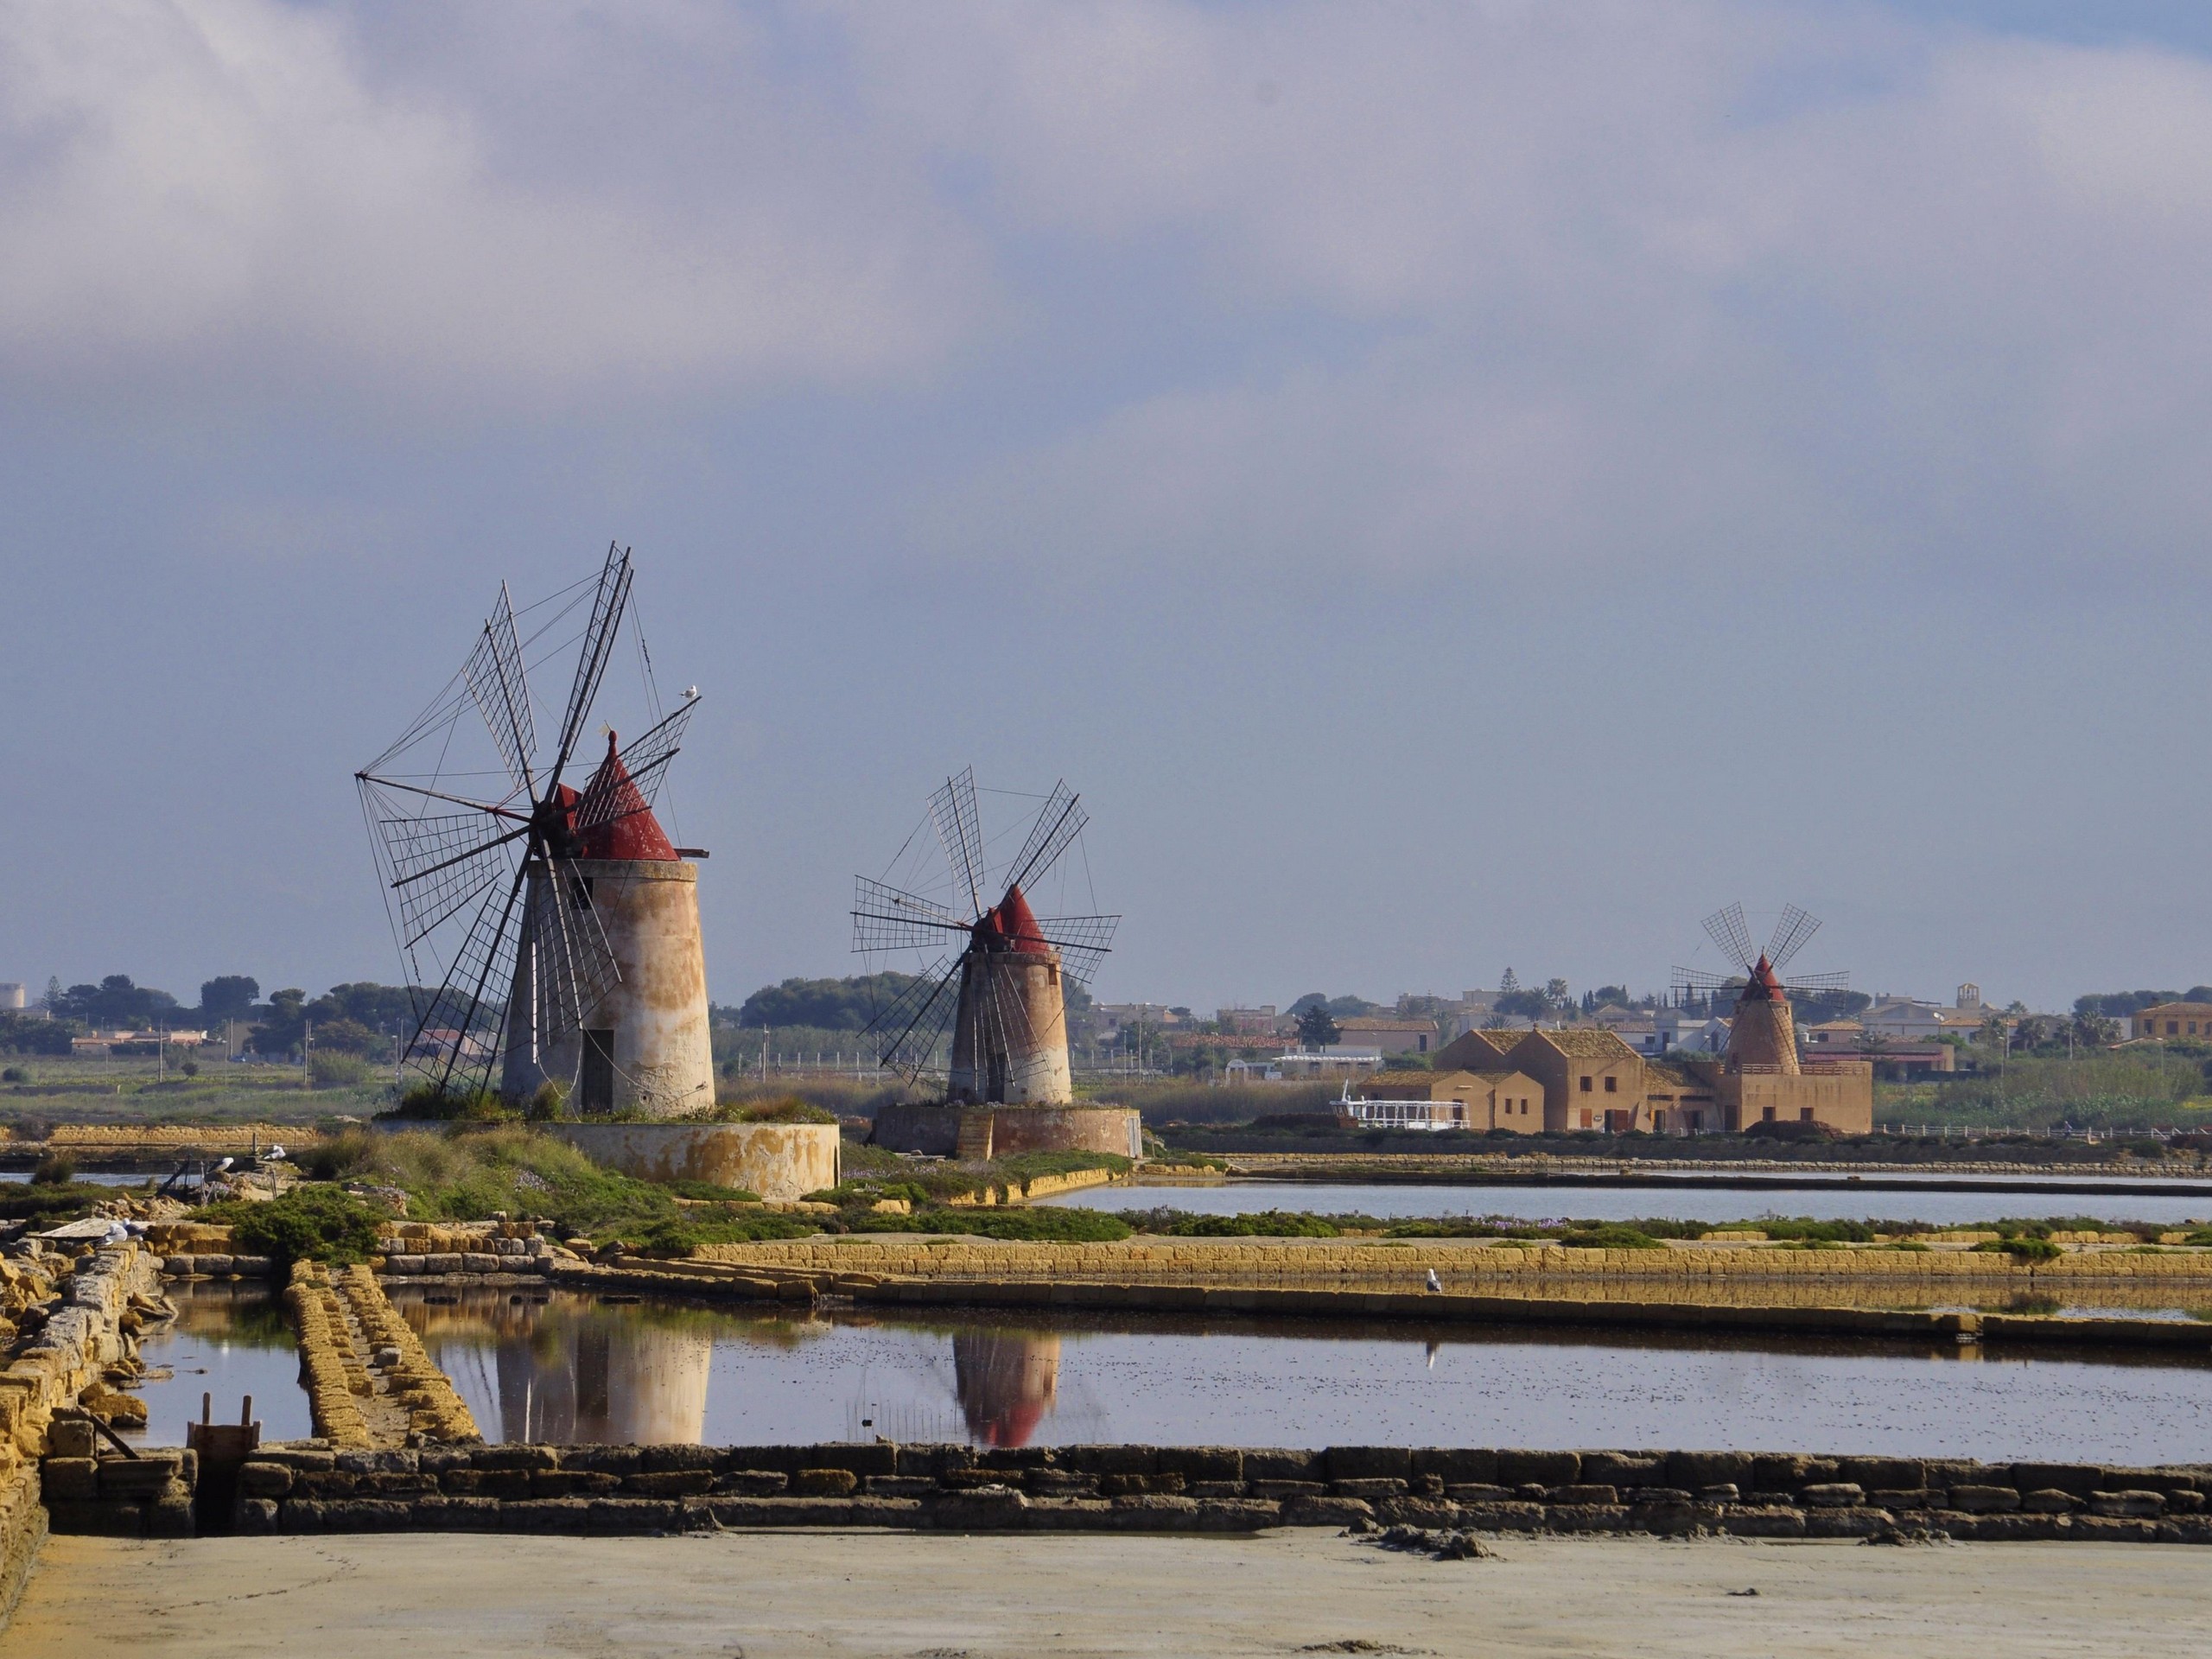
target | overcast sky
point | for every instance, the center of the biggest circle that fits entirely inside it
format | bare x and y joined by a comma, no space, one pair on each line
1454,486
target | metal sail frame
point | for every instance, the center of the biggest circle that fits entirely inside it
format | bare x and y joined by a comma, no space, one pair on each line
436,866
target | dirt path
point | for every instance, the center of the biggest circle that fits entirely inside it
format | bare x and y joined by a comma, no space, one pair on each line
764,1595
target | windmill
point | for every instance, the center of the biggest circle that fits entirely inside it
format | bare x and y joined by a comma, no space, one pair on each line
997,979
558,927
1763,1035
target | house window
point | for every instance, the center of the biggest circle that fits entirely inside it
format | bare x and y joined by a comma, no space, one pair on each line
1767,1115
2173,1028
1586,1086
1805,1114
1612,1085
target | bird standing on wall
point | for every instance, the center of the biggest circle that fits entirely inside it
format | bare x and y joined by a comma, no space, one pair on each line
1435,1283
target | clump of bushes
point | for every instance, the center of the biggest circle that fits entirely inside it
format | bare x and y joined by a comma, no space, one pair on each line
53,1169
2021,1249
1270,1223
1056,1226
316,1223
1612,1236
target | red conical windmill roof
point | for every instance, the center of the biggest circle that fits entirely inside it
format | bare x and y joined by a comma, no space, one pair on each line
1011,921
625,826
1764,986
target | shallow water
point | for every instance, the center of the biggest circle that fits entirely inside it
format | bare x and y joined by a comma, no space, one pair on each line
229,1340
1825,1201
570,1368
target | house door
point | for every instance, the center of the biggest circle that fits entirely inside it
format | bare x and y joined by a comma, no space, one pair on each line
1619,1121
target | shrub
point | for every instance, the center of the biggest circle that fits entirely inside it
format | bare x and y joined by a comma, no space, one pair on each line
1609,1236
14,1074
53,1169
335,1071
340,1156
430,1103
545,1105
190,1068
2023,1248
316,1223
1271,1223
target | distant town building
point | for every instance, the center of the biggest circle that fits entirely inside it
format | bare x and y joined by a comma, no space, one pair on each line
1474,1100
1388,1036
2172,1019
13,999
1262,1021
1337,1059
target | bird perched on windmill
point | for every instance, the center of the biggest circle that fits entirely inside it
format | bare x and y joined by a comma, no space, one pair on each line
550,934
1000,987
1763,1034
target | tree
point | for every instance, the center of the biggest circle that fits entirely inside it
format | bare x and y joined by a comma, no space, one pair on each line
278,1028
115,1002
825,1004
54,995
228,996
1555,993
1509,985
1872,1044
2095,1031
1317,1027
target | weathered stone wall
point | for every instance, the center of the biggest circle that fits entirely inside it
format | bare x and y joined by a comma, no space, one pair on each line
1260,1260
946,1131
779,1161
69,1345
305,1487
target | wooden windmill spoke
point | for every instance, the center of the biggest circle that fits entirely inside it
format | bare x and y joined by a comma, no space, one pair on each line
496,680
1726,929
959,830
1790,933
456,1038
1060,822
591,663
1818,981
1082,941
918,1015
572,967
884,918
645,761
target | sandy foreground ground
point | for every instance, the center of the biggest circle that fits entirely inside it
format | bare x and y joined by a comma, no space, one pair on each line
765,1595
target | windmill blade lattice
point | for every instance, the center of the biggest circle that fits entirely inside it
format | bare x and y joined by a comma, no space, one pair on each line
1726,929
1790,933
911,1028
959,830
1059,822
1082,941
474,884
497,680
888,919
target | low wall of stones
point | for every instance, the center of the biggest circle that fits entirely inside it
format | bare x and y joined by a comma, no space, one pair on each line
1259,1261
306,1487
63,1336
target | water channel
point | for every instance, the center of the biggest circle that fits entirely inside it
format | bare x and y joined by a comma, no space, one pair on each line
562,1366
1836,1200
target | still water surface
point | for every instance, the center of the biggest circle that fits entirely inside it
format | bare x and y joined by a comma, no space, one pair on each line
229,1340
571,1368
1823,1201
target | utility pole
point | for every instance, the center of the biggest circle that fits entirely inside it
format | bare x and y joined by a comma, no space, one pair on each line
307,1043
764,1054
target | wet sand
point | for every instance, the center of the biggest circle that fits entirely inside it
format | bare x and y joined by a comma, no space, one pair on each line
765,1595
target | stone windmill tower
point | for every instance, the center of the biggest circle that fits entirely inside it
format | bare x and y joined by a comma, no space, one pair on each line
559,926
1002,991
1763,1035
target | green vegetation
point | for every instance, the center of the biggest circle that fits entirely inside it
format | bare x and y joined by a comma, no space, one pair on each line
2022,1249
1610,1235
53,1169
1273,1224
2139,1086
319,1223
1056,1226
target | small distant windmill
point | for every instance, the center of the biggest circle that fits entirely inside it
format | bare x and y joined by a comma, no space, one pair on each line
1763,1035
1000,987
515,907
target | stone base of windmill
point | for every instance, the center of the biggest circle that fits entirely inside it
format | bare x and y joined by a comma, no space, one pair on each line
779,1161
973,1134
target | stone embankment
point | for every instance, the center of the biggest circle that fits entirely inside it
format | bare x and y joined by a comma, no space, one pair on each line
369,1381
1407,1262
70,1328
308,1487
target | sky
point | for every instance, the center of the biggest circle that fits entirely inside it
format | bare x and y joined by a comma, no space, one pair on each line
1455,486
